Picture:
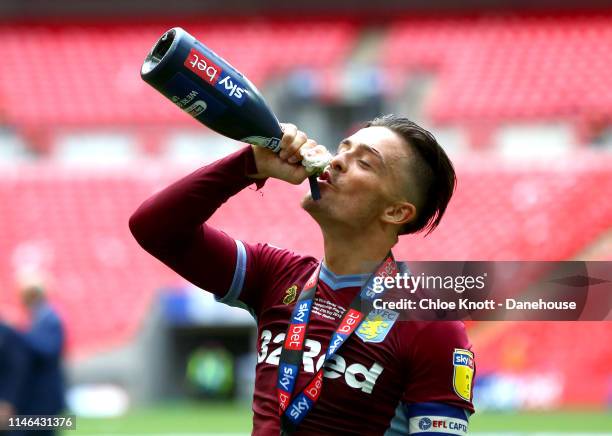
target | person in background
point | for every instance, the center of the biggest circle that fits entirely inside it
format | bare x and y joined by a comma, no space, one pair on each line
14,366
44,342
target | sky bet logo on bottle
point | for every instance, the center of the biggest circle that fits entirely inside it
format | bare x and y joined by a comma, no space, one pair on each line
215,76
203,67
232,90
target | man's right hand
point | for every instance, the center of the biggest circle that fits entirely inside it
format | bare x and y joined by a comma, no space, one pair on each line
284,165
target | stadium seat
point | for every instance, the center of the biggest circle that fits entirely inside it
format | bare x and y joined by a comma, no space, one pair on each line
72,223
509,67
528,349
88,75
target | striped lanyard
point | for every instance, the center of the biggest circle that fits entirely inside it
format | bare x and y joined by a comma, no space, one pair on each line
293,410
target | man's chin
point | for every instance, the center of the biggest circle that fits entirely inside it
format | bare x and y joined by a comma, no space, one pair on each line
310,205
316,209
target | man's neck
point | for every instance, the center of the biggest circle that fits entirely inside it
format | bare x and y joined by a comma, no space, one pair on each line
356,254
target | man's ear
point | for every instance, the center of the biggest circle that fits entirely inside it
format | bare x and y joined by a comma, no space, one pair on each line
399,213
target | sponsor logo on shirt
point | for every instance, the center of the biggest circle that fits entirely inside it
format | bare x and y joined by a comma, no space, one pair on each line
463,373
356,375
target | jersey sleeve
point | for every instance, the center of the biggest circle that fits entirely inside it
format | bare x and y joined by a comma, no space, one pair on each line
423,419
260,270
441,366
172,226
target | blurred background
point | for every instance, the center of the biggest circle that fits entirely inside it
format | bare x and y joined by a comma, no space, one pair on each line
519,93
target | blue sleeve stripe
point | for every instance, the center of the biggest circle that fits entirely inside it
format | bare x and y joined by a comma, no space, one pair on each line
438,409
239,275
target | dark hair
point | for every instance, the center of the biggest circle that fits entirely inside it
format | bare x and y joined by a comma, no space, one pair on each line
433,172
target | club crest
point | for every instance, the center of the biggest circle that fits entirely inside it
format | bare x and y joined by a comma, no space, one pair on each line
377,325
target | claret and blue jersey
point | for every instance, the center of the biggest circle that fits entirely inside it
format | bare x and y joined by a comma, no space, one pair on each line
390,377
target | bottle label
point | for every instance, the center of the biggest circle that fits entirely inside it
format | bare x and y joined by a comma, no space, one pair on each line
193,99
200,64
261,141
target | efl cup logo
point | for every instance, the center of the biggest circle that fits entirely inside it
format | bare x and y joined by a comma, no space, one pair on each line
425,423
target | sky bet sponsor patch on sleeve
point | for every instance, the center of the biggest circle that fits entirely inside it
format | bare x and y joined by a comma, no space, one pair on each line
463,373
437,424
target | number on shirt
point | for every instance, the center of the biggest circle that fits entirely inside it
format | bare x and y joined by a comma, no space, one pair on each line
312,349
266,335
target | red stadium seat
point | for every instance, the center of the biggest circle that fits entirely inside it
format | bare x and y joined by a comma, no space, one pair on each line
509,67
72,223
75,75
577,353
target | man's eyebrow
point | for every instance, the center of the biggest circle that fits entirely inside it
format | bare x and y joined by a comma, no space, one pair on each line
367,148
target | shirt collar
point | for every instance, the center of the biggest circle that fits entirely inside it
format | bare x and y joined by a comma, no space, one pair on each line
339,281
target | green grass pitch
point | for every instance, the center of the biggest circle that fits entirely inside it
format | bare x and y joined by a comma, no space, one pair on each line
219,418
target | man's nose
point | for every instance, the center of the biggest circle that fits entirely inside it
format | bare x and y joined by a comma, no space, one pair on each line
338,162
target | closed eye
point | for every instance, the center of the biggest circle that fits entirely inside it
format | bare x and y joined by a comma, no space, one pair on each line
346,143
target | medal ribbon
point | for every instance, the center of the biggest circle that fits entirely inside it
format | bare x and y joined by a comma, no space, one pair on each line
293,411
